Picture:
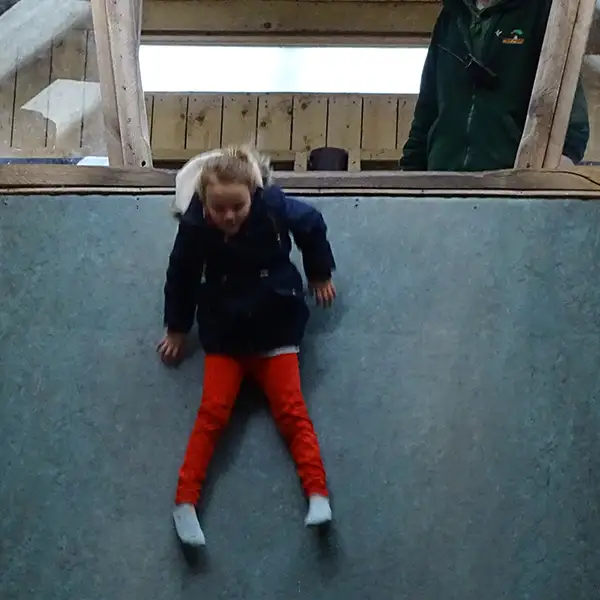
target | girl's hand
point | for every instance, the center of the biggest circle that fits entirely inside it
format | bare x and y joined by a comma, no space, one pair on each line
323,291
171,347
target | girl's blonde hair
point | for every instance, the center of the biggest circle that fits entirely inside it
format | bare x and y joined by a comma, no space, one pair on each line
234,164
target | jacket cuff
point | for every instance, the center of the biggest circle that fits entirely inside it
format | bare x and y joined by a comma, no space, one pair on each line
176,325
320,269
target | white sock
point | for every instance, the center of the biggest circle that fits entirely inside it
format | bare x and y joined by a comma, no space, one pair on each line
187,525
319,511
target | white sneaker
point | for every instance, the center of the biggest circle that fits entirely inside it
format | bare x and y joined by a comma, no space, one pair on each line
319,511
187,525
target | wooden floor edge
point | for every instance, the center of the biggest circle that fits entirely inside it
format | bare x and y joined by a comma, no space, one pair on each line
69,178
321,192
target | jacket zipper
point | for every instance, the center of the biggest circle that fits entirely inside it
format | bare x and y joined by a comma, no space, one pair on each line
484,44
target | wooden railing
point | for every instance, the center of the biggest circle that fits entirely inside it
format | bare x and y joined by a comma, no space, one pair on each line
50,107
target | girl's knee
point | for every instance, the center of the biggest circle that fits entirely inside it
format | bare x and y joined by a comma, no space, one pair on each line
292,416
213,415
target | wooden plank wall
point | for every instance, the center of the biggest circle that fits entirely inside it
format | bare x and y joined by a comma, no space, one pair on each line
370,127
30,133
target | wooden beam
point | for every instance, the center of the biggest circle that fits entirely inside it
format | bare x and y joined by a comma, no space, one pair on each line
590,71
350,193
143,137
517,182
112,135
20,28
117,33
593,45
295,39
564,104
558,70
67,176
281,18
167,19
124,18
65,179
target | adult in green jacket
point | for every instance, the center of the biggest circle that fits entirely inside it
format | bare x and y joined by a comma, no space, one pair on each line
476,86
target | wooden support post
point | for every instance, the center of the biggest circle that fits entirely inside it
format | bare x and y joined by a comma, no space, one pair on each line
555,83
144,130
560,123
112,135
117,32
593,46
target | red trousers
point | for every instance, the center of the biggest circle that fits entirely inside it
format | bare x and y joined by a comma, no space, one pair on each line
279,377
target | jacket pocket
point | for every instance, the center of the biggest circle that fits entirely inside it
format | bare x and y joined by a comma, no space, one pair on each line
285,281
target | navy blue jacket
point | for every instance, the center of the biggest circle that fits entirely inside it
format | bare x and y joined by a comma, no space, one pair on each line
246,294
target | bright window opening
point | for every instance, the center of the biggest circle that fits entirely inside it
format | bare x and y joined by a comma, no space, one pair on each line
275,69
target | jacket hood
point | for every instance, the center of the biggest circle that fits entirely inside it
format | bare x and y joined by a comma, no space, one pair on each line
187,179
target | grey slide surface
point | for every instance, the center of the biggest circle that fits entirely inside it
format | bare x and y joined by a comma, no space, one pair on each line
454,388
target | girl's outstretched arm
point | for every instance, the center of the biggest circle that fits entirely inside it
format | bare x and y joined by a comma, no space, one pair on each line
309,230
183,273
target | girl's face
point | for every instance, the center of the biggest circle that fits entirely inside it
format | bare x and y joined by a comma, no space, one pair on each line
228,205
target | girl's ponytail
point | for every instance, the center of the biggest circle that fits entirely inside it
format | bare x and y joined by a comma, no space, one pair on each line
187,181
260,163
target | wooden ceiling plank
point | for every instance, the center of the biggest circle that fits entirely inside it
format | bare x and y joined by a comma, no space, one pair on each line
277,17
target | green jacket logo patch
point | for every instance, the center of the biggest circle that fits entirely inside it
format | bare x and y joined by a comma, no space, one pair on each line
515,37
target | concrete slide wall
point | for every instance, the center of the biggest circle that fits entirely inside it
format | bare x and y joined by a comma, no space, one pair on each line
454,388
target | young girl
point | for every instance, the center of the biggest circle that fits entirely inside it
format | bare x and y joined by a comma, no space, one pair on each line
230,267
